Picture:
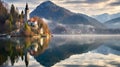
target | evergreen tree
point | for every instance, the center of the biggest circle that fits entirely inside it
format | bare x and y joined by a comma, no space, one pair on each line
12,10
3,17
3,13
21,17
22,14
14,13
8,26
26,27
11,18
27,30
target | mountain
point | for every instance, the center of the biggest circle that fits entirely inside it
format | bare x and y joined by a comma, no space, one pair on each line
106,17
49,10
58,14
115,20
113,23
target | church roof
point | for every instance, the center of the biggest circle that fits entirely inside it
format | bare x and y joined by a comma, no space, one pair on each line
32,20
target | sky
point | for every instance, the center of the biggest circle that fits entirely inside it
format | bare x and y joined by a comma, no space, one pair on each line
88,7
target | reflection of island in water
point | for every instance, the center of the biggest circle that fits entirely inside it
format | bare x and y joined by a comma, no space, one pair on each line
15,48
63,47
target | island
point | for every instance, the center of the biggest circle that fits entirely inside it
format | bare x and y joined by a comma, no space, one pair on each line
13,24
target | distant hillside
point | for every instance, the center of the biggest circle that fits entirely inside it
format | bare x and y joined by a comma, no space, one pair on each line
58,14
113,23
115,20
106,17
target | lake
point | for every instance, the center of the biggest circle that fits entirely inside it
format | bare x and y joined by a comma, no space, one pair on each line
61,51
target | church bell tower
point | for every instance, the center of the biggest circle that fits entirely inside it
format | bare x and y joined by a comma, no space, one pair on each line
26,13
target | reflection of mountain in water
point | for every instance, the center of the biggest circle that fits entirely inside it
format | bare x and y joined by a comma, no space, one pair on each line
63,47
15,48
106,55
110,47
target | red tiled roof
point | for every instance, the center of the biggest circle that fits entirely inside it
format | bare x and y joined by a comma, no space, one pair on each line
32,20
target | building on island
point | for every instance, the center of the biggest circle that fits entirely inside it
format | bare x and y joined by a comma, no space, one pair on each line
26,16
30,26
35,23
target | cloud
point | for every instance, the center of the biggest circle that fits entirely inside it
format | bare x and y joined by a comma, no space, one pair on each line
89,7
24,1
95,1
116,3
89,60
74,2
20,4
20,0
86,1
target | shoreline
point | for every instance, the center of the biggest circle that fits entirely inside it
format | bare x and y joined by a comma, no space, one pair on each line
86,34
12,36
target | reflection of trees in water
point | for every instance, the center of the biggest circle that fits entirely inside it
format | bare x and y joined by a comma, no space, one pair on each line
14,49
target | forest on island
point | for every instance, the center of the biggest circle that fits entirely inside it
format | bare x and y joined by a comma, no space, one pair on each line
12,22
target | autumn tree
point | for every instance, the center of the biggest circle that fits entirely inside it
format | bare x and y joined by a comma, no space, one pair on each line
43,25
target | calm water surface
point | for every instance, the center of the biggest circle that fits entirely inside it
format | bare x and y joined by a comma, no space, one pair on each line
61,51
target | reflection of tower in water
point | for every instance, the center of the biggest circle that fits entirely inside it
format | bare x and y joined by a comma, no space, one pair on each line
36,49
27,57
26,13
41,41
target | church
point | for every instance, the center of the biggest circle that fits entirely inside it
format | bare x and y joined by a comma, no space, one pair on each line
30,21
35,22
